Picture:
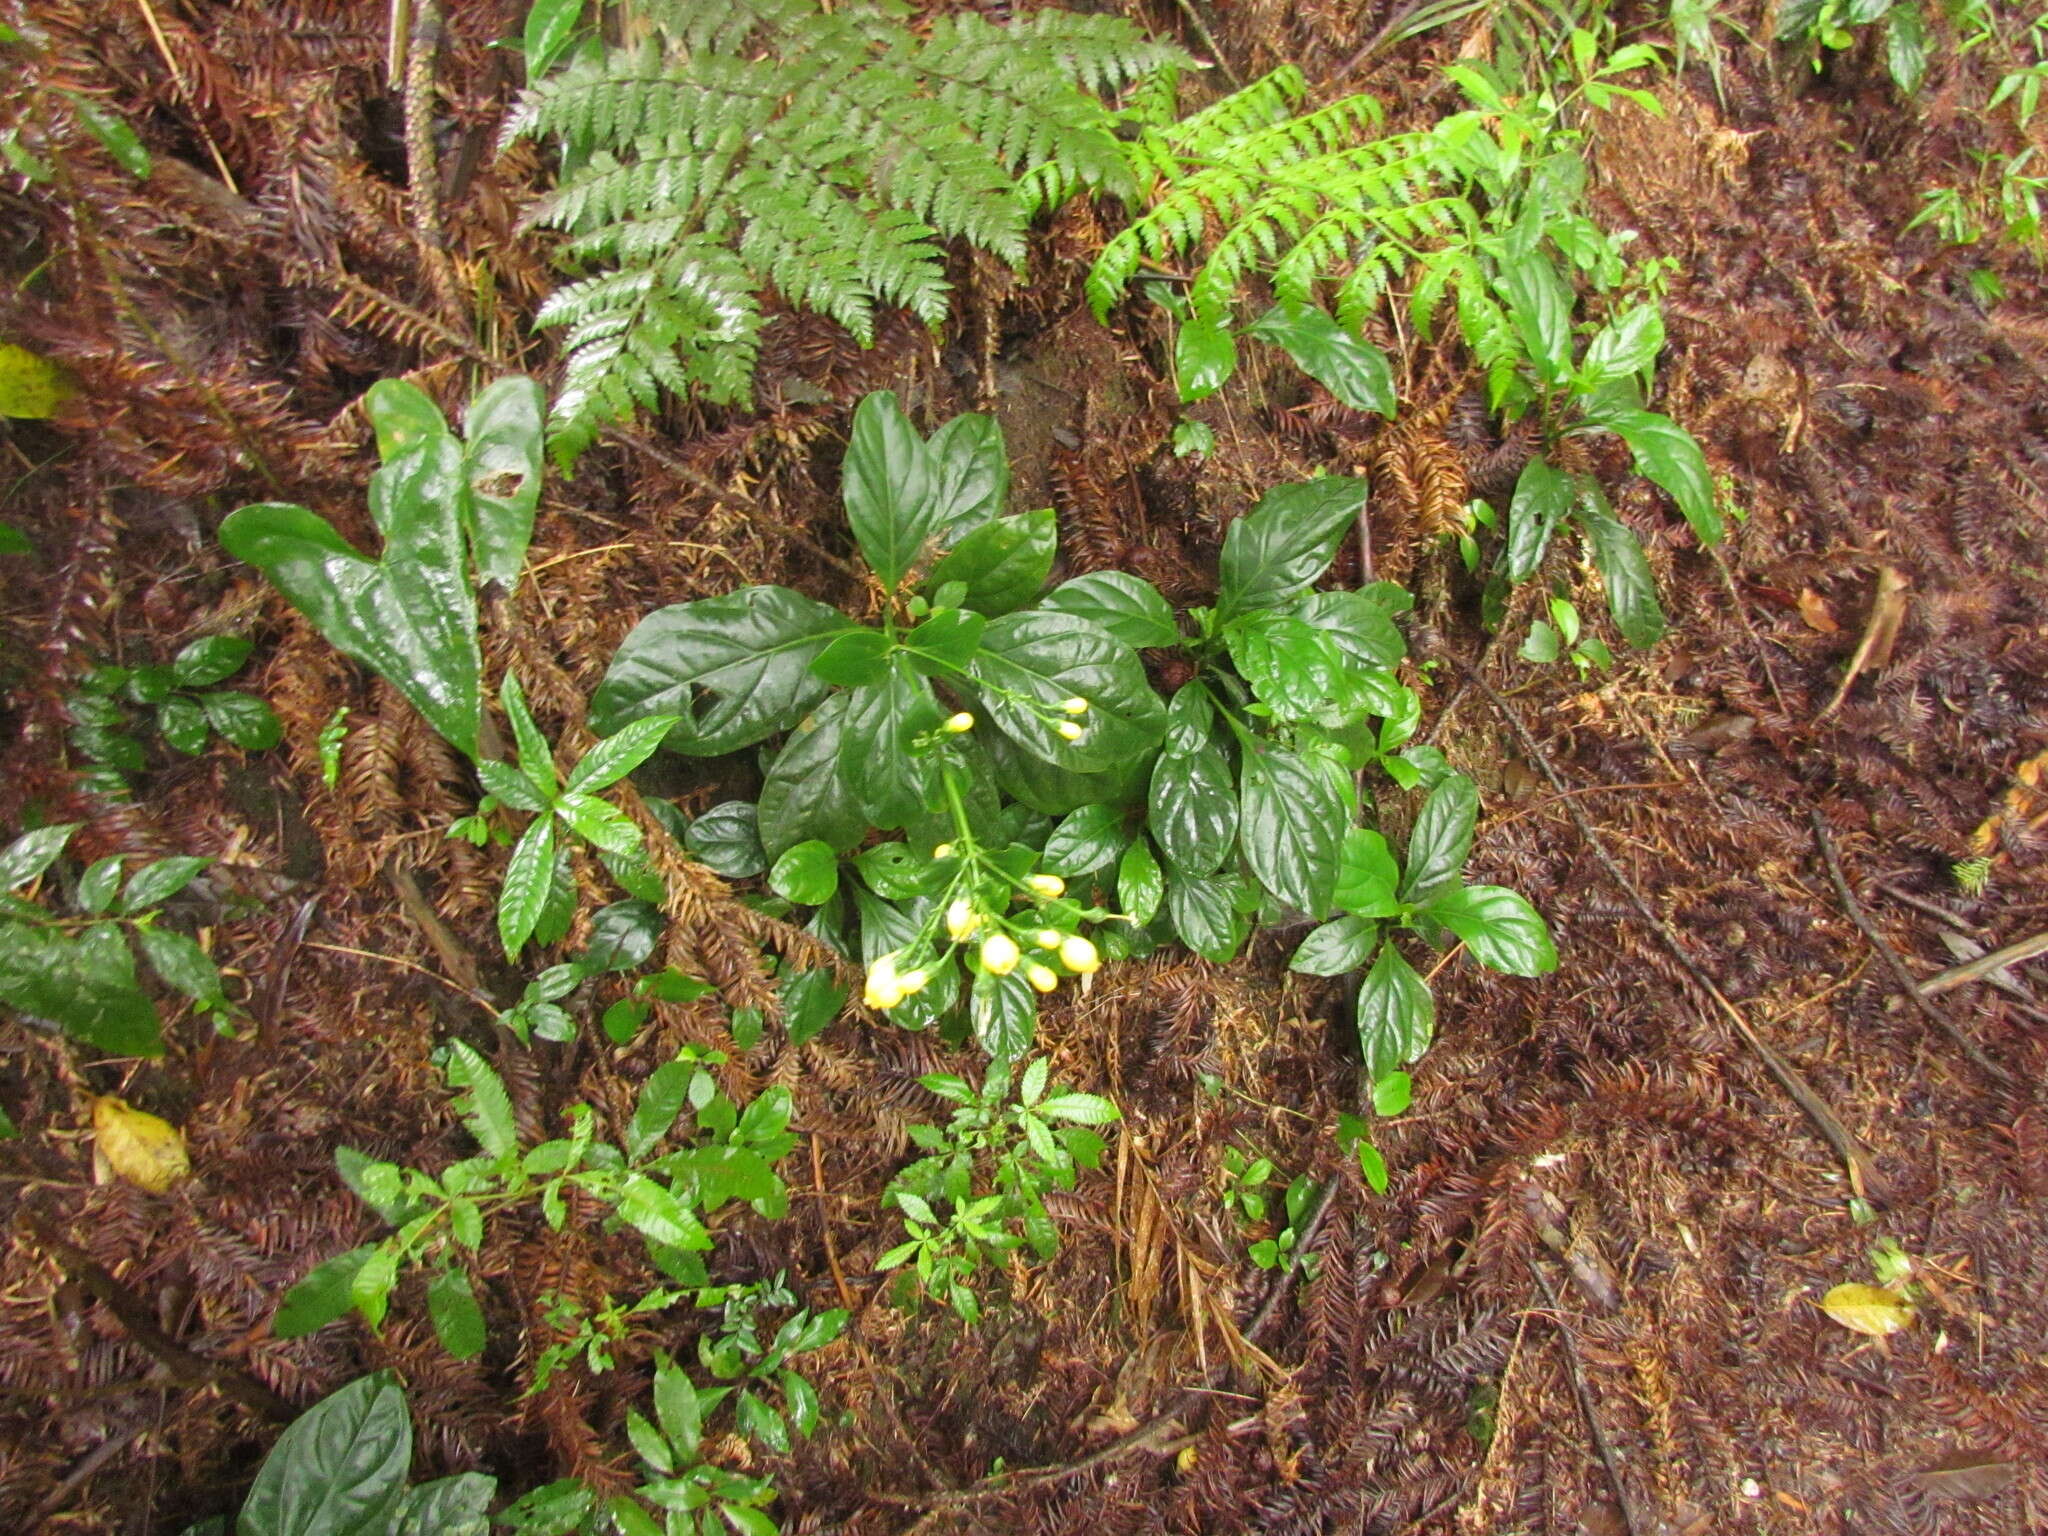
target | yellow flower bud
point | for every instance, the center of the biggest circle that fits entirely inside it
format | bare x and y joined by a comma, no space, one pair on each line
961,723
913,981
1048,938
999,954
1069,730
943,851
961,920
1043,978
884,990
1047,885
1075,706
1078,955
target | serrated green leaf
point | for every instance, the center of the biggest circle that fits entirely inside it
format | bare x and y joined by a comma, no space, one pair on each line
458,1320
487,1108
524,896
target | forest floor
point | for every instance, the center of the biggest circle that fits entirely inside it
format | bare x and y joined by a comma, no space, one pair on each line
1588,1301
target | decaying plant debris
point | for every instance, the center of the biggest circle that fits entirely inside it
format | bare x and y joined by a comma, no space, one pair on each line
1605,1204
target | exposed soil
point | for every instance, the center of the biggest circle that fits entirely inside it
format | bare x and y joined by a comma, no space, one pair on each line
1588,1302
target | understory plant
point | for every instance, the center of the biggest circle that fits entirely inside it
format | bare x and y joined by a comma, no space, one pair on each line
189,705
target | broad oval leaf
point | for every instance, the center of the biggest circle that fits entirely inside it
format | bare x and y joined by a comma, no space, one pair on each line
1625,345
879,772
1396,1014
1003,564
805,795
1048,658
323,1296
1087,840
1292,822
1671,456
32,853
84,985
1624,570
1204,913
1367,875
1342,944
750,650
1273,552
727,840
1357,625
1355,371
1868,1309
1204,357
214,659
502,466
1442,838
1139,885
448,1506
890,489
1004,1011
970,474
1128,606
458,1320
1193,811
339,1469
1543,495
806,874
243,719
1501,929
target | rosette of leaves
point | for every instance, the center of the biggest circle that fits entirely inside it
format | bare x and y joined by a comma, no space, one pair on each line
454,514
78,973
190,708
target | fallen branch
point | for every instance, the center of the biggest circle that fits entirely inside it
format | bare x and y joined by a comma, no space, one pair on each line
1974,970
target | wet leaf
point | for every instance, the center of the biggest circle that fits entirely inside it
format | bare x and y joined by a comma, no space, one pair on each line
1868,1309
146,1151
31,387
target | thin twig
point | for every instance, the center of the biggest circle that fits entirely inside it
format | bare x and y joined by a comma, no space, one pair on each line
1890,956
1854,1155
1580,1389
1201,30
408,965
1983,965
1933,909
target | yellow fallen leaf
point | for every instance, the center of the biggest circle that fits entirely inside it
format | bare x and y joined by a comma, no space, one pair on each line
30,386
149,1153
1868,1309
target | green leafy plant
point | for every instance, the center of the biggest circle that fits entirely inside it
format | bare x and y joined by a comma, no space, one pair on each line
78,972
1391,1094
1247,1177
979,1190
589,1334
826,152
43,134
455,514
341,1468
662,1195
189,708
1821,27
1563,635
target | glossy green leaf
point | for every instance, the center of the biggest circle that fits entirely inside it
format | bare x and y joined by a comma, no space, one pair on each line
1342,944
550,28
944,643
1140,886
1193,811
1540,307
320,1298
854,658
1355,371
890,488
502,466
448,1506
1624,570
1003,563
339,1469
410,617
1671,456
1293,668
806,874
970,474
1367,875
1392,1093
513,788
1204,357
243,719
113,132
750,650
31,853
524,895
180,963
1128,606
403,416
1292,822
96,887
1273,553
1053,790
879,772
616,756
676,1408
85,985
1442,838
485,1106
661,1099
458,1320
1204,914
1543,495
1358,625
214,659
1396,1014
727,840
623,935
1051,657
1004,1011
811,1000
1905,46
154,884
1501,929
805,795
1626,345
1088,839
183,724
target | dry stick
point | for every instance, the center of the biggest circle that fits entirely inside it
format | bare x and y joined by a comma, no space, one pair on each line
1854,1155
88,1464
1890,956
1983,965
1933,909
1584,1393
1187,9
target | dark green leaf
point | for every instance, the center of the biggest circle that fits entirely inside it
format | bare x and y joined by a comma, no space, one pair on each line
727,840
212,660
1540,306
183,724
1205,915
854,659
149,685
113,132
1054,791
1204,357
1004,564
879,773
761,1423
1273,553
1004,1011
806,874
550,27
1140,887
751,650
1050,657
85,985
676,1407
1671,456
1292,824
1624,570
623,935
1905,46
661,1099
502,467
1193,809
1396,1015
458,1320
448,1506
810,1000
32,853
154,884
805,795
1357,625
1441,839
513,788
616,756
246,721
1087,840
1543,495
485,1106
1293,669
1356,372
890,488
1367,875
179,962
1501,929
1128,606
339,1469
970,475
1340,945
97,885
524,896
1626,345
404,417
321,1297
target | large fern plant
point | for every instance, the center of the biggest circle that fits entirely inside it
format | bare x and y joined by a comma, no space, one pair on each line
747,144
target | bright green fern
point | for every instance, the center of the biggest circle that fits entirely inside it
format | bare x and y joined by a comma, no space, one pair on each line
749,144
